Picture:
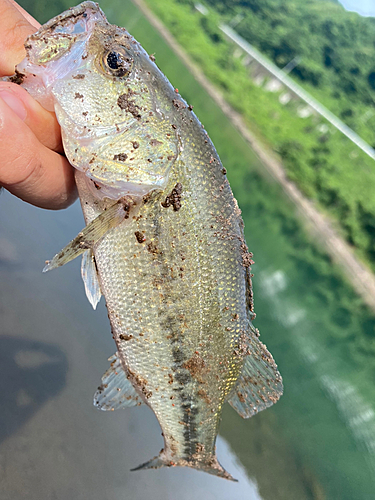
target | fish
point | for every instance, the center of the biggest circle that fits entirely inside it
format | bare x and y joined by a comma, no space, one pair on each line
164,239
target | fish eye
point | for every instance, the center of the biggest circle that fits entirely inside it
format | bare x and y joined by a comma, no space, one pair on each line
117,62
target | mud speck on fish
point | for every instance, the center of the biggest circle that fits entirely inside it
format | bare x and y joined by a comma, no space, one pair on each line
125,337
178,104
141,238
195,364
120,157
128,105
17,78
174,198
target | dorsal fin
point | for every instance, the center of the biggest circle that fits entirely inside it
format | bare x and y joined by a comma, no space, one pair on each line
116,391
260,384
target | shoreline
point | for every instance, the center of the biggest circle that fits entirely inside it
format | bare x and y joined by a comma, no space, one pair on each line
318,224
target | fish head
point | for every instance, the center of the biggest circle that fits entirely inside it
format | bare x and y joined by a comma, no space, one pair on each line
109,98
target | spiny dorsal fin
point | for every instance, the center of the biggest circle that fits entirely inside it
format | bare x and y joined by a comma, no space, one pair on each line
116,391
89,275
260,384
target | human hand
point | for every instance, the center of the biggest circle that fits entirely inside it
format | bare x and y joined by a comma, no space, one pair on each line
32,165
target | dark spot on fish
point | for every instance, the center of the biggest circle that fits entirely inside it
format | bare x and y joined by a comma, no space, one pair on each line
224,170
151,247
125,337
97,185
85,113
174,126
152,57
141,238
182,377
155,142
174,198
135,145
77,95
190,107
128,105
120,157
79,76
177,356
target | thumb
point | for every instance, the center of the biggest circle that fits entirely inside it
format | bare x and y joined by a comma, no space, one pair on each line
29,169
42,122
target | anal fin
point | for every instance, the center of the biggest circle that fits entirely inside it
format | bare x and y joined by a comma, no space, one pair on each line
89,275
260,384
90,235
116,391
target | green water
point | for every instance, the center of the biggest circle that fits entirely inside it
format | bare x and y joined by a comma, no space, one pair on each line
318,442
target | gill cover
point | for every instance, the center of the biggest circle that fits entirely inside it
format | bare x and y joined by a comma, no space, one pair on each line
101,84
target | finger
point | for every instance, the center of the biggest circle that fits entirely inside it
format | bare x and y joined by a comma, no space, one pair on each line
14,29
28,169
43,123
25,14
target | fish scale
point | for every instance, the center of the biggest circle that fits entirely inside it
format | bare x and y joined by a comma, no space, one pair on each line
164,239
194,233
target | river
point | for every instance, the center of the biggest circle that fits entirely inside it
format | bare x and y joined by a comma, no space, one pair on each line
317,443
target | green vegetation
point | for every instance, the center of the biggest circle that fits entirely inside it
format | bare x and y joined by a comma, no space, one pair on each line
337,66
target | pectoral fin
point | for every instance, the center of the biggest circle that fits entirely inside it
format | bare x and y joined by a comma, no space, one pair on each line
89,275
260,384
116,391
90,235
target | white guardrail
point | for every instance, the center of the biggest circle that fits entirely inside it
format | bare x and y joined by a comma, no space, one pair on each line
296,89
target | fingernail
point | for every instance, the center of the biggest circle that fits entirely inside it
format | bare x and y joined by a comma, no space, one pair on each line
14,103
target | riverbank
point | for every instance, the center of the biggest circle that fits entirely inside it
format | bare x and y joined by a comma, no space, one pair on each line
319,224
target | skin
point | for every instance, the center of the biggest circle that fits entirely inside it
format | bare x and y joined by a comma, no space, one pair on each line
33,166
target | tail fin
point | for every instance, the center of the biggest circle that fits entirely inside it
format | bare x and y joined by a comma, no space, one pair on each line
209,464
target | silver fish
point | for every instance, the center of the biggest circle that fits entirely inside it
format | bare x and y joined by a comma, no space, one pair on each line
164,240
